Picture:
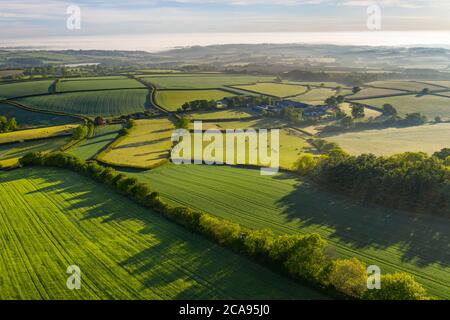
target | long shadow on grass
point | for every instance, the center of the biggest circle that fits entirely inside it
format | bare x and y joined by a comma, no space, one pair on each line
423,239
164,257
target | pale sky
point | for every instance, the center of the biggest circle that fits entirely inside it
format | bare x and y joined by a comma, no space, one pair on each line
46,18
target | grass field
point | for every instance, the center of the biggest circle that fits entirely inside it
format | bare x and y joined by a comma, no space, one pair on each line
98,84
29,119
100,103
291,145
430,106
147,145
315,96
18,89
11,153
53,219
196,81
395,241
368,113
38,133
173,99
404,85
373,92
442,83
221,114
426,138
261,123
274,89
103,136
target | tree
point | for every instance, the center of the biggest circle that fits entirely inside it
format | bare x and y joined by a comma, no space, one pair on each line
347,122
307,258
349,276
99,121
11,125
389,110
443,154
278,80
340,99
438,119
397,286
183,123
80,133
415,119
355,90
305,164
357,111
331,101
425,91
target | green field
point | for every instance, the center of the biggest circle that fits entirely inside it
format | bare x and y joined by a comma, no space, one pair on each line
98,84
174,99
147,145
99,103
404,85
426,138
430,106
221,114
315,96
18,89
11,153
373,92
393,240
199,81
29,119
37,133
103,136
274,89
53,219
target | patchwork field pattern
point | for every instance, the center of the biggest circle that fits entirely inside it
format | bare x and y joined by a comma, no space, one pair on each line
11,153
221,114
53,219
99,103
274,89
428,105
172,100
38,133
147,145
98,84
315,96
103,136
19,89
404,85
203,81
426,138
29,119
398,241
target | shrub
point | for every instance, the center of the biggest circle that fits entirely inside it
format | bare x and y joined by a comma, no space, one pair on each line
308,260
259,242
305,164
349,276
397,286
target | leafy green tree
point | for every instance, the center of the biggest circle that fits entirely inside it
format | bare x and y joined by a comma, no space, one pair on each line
397,286
80,133
355,90
357,111
349,276
305,164
443,154
308,259
183,123
389,110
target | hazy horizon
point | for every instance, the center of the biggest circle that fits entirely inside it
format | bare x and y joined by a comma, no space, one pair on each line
167,41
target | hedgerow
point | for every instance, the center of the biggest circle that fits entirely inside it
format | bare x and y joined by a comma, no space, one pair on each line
303,257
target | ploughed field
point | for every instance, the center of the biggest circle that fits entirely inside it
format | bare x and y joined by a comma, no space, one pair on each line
52,219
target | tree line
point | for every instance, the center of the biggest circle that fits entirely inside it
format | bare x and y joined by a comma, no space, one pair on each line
305,257
412,181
